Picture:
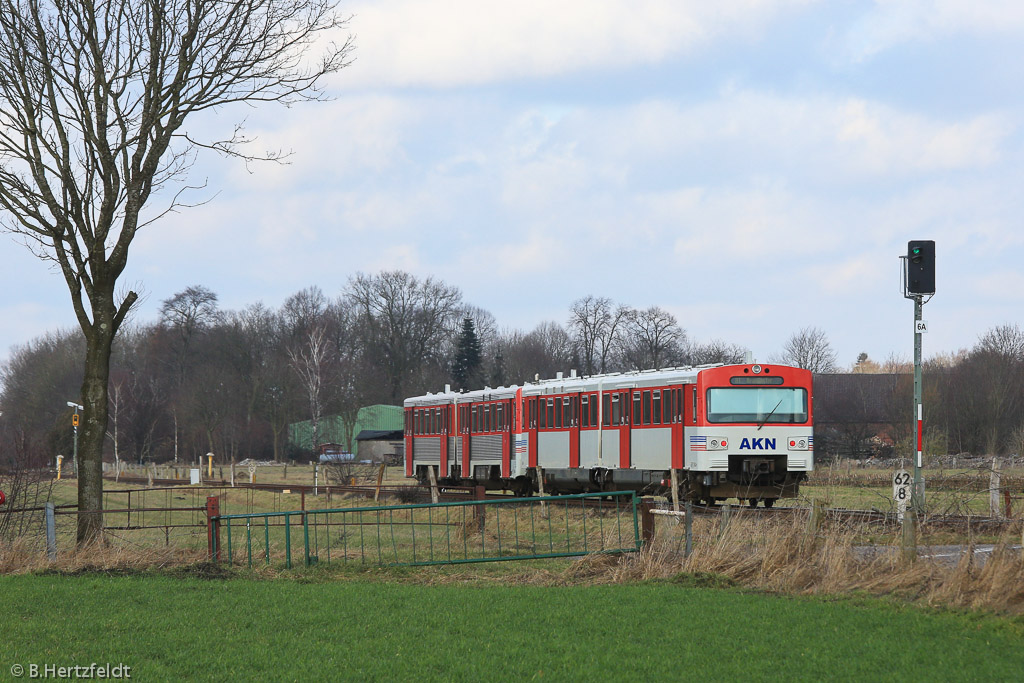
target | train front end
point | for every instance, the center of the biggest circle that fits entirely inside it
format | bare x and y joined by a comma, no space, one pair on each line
751,435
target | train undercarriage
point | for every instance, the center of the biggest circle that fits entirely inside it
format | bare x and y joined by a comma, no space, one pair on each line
751,480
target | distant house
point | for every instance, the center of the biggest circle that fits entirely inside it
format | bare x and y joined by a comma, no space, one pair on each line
332,430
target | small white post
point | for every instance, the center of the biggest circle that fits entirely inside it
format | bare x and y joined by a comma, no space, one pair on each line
993,489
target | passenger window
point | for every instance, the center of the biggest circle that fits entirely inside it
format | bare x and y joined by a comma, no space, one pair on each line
593,410
637,417
656,406
616,409
585,411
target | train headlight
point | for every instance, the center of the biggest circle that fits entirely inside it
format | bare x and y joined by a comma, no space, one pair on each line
798,443
717,443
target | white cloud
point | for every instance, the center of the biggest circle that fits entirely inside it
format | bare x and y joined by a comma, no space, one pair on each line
457,42
894,22
349,136
850,137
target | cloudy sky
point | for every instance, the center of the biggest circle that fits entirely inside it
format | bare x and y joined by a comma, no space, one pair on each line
754,167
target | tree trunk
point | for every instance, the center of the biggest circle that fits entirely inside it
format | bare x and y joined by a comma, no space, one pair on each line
90,444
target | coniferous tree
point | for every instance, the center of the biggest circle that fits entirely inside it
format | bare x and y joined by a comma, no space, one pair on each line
466,366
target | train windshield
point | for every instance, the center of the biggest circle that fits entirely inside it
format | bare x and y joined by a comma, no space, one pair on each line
771,405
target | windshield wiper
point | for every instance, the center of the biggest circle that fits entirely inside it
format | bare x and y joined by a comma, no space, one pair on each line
769,415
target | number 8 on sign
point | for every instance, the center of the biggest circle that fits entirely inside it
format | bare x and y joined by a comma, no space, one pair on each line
901,489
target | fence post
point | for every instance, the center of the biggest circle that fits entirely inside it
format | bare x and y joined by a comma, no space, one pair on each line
689,528
723,524
213,527
646,520
380,480
1008,505
540,490
51,533
993,489
675,490
433,484
305,534
909,536
814,521
288,540
480,511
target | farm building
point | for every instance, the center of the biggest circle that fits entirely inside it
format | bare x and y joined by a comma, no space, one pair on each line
380,419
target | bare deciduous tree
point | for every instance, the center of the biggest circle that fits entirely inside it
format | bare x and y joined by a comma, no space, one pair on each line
309,361
94,101
714,351
809,349
405,321
595,324
652,339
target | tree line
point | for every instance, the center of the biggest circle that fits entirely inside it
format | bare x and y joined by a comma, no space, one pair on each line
202,379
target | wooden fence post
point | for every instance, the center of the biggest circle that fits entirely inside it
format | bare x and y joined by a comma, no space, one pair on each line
646,520
380,480
723,525
689,528
213,527
540,490
909,536
814,521
434,498
480,511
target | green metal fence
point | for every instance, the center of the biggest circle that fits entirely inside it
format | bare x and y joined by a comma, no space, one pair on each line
442,533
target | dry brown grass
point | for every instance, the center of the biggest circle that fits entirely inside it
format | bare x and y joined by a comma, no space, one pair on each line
23,555
779,556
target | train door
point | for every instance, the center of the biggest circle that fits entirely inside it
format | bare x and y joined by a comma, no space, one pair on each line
466,430
531,423
689,407
621,401
673,408
572,416
503,418
443,470
409,452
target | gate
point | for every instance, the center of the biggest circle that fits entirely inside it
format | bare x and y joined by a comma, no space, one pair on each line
429,534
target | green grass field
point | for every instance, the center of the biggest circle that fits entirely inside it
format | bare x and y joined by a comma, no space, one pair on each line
168,627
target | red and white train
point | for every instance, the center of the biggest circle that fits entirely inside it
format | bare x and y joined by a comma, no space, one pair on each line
732,431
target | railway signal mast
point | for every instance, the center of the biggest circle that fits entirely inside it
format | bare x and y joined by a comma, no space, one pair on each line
918,283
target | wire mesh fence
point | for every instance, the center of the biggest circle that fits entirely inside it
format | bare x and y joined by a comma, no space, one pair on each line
441,533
